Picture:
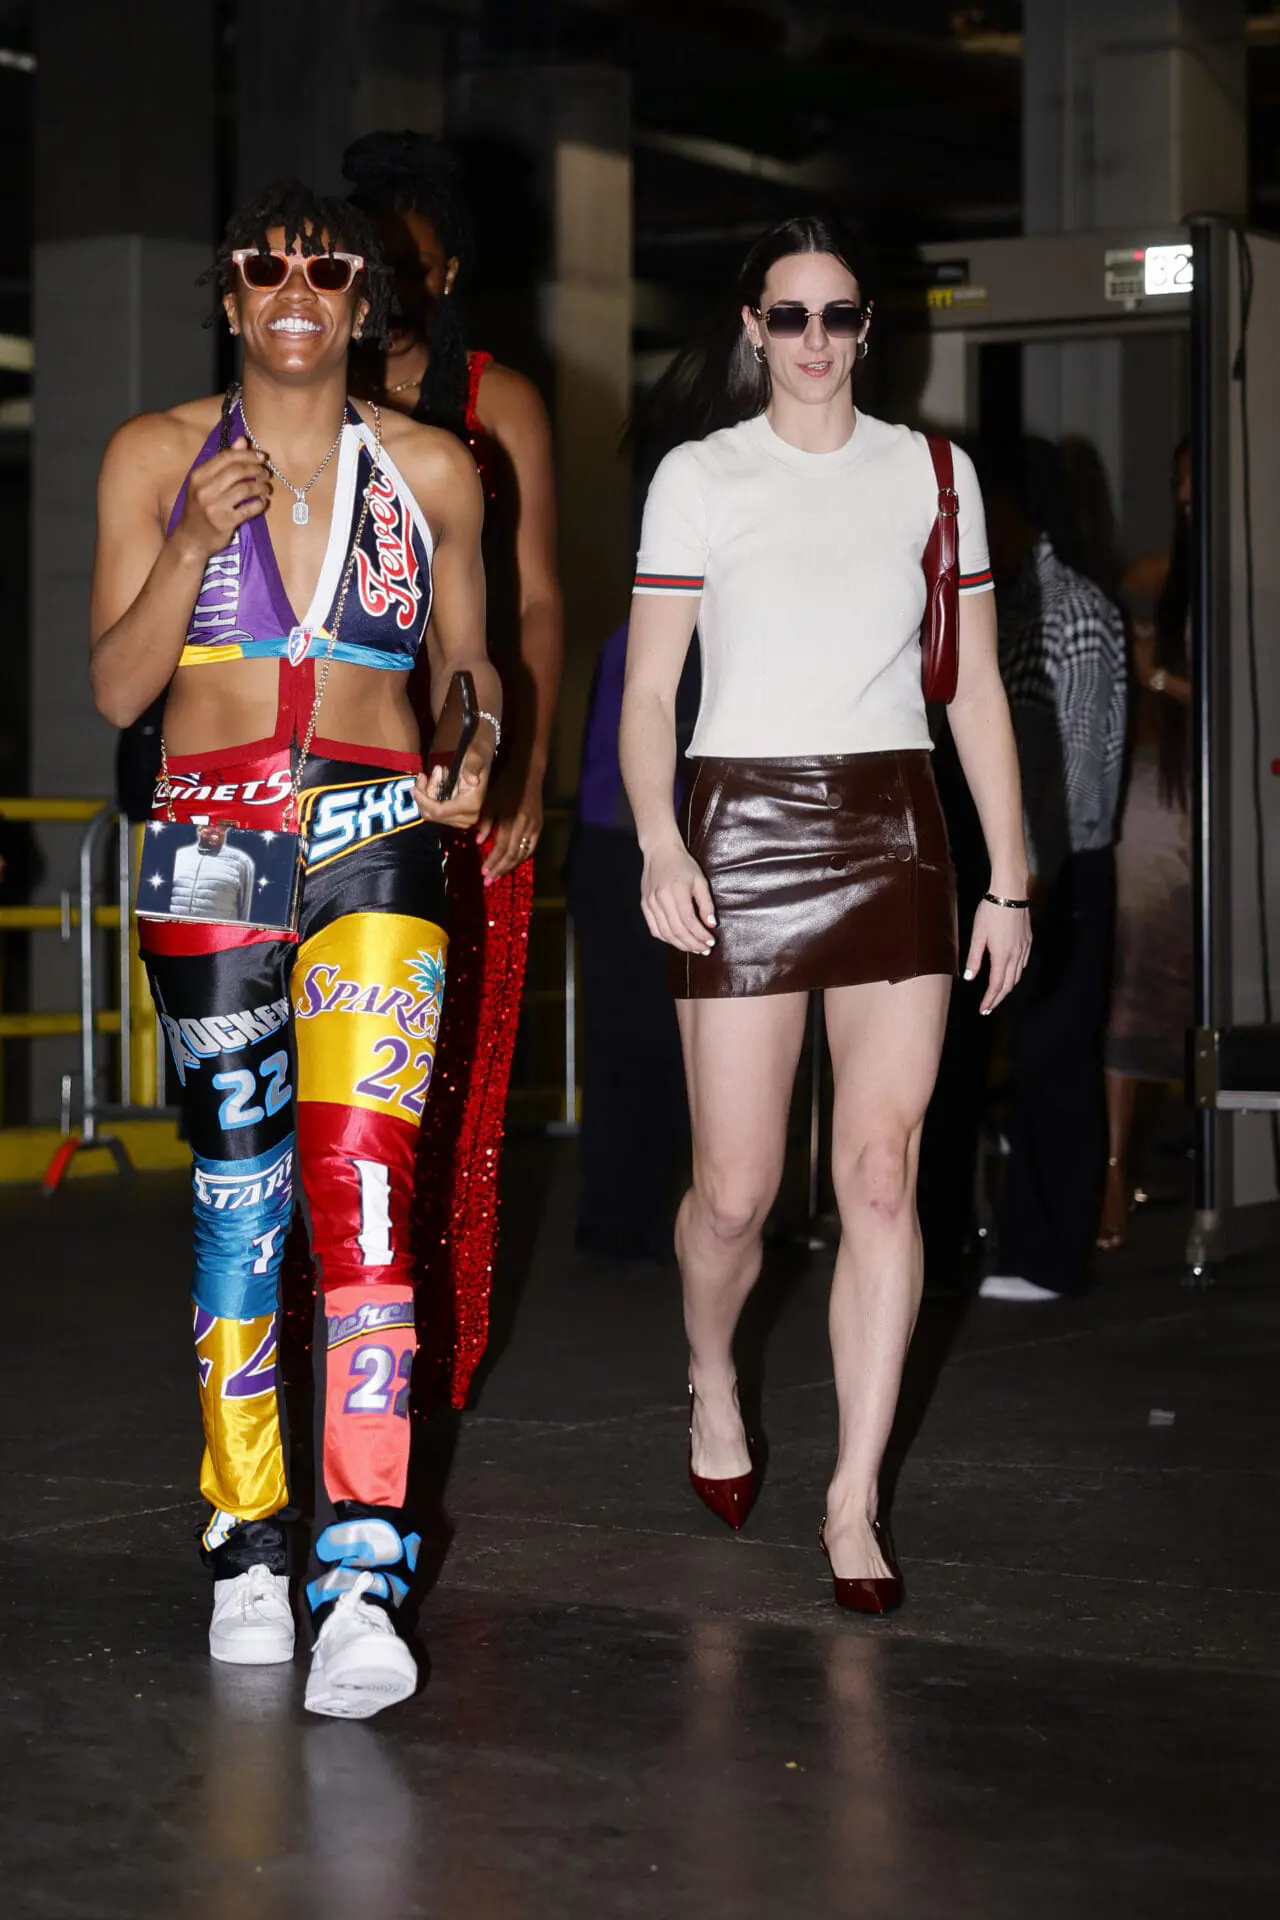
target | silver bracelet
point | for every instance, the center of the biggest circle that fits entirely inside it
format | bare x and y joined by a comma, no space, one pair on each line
496,724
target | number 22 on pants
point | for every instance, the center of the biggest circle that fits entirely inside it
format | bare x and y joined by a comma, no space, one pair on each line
374,1368
239,1087
367,992
393,1055
371,1343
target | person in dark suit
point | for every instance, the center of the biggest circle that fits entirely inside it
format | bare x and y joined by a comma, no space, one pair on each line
635,1116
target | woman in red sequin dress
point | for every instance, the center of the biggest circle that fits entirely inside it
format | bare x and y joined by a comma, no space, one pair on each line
409,186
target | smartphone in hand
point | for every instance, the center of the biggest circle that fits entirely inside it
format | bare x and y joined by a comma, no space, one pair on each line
464,688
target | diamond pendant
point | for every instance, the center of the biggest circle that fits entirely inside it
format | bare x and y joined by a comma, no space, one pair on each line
301,513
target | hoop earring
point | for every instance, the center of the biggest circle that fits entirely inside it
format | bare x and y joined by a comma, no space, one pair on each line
760,354
863,349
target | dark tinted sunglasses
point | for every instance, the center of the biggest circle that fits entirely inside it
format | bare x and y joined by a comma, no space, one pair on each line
325,272
787,319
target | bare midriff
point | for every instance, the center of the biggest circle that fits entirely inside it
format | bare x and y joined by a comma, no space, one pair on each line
215,707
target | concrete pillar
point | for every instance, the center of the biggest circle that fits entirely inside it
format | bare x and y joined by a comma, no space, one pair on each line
559,143
946,399
1133,117
309,82
123,216
1132,113
124,210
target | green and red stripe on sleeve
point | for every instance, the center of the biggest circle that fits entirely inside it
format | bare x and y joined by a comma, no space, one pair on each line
668,583
975,582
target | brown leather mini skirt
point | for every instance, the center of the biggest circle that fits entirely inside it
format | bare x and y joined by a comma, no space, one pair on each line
825,872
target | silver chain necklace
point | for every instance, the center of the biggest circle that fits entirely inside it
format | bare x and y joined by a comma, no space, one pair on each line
301,511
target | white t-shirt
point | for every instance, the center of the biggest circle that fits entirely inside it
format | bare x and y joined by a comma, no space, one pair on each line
808,567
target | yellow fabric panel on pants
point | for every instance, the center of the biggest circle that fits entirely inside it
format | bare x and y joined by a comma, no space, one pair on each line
243,1470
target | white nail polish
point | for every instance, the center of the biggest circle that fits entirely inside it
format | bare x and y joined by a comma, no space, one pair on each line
968,973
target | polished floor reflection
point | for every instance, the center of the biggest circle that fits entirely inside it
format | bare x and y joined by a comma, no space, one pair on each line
627,1711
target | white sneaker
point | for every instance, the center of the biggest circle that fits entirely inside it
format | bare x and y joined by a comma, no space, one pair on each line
252,1624
359,1664
1011,1286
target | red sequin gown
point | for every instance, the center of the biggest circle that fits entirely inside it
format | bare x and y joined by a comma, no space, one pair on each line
460,1149
455,1202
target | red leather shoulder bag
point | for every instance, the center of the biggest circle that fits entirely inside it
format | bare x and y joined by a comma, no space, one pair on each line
940,633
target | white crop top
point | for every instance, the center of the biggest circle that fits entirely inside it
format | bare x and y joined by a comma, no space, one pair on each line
808,568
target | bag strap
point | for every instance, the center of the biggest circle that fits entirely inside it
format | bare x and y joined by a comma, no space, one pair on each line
942,553
230,400
944,474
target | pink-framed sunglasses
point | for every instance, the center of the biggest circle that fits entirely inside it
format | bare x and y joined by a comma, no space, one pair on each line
325,272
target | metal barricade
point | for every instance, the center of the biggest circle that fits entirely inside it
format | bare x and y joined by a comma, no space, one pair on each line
91,1107
80,917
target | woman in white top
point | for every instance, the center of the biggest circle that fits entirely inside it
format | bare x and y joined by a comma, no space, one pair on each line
790,528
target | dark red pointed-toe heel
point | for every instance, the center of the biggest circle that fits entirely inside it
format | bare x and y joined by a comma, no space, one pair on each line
867,1596
730,1500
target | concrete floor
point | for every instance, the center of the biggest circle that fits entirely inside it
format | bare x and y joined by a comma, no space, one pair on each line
627,1710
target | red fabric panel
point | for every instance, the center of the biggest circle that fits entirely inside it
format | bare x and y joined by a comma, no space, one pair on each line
331,1139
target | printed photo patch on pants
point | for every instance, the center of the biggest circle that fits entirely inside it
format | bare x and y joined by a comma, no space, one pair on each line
219,874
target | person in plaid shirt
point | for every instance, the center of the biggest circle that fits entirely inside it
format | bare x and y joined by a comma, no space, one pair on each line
1062,659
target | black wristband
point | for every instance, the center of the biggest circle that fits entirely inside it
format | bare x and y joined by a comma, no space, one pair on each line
996,901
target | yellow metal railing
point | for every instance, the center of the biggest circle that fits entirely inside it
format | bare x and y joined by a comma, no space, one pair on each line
24,808
133,1020
49,1026
28,919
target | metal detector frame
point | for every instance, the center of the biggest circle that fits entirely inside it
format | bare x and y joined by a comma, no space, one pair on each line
1050,287
1231,1069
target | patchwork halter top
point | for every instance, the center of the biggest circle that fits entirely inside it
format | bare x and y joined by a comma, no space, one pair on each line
242,611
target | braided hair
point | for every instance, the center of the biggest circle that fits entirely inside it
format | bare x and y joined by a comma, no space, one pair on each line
413,173
316,223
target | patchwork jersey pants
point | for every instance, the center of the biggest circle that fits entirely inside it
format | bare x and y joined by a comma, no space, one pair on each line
304,1064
